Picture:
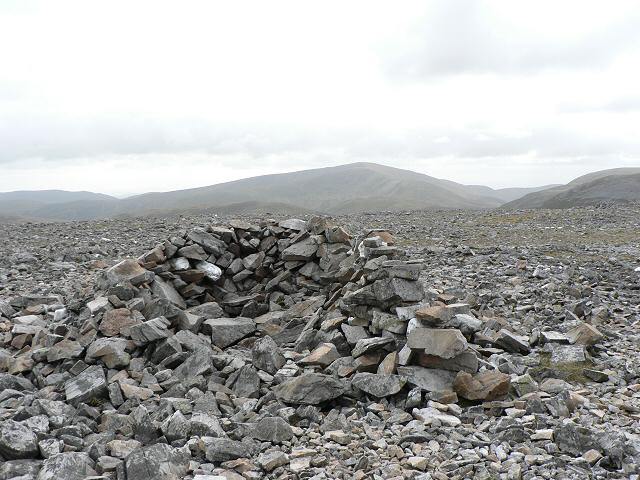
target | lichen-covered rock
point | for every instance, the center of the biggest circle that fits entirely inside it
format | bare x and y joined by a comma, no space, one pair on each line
157,462
310,389
378,385
17,440
67,465
89,384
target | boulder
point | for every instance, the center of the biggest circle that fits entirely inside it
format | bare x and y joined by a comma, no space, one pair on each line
149,331
266,355
443,343
127,271
367,345
303,250
17,440
584,334
163,289
272,429
428,379
225,449
429,415
111,351
115,322
511,342
157,462
227,331
486,385
64,349
89,384
378,385
323,355
67,466
310,389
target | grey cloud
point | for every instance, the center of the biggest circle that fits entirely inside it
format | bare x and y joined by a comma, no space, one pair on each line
53,139
461,36
541,142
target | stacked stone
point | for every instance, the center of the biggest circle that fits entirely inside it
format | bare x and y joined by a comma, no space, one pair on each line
247,269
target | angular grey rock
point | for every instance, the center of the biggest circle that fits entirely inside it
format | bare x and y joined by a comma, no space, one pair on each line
266,355
394,291
253,261
157,462
193,252
207,241
293,224
128,270
205,425
391,323
272,429
567,354
367,345
512,342
429,379
310,389
227,331
443,343
13,382
64,349
198,363
429,414
553,337
111,351
163,289
245,382
176,426
208,310
378,385
17,440
270,460
466,361
303,250
224,449
90,383
574,439
19,469
467,324
149,331
67,466
353,333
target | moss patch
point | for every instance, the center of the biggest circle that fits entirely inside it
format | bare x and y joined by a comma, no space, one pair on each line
570,372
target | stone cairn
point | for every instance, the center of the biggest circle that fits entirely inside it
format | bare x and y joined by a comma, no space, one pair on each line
211,345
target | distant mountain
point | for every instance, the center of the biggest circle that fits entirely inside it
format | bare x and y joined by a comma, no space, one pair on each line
54,204
612,185
351,188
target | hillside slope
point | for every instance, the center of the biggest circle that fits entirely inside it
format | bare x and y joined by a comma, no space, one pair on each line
595,187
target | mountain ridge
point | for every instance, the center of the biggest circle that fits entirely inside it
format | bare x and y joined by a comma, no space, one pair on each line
343,189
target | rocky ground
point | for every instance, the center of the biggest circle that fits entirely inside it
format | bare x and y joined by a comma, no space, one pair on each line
426,345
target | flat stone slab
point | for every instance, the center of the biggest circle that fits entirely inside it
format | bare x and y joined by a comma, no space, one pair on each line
443,343
428,379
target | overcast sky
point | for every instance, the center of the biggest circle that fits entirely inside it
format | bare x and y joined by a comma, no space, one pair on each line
124,97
